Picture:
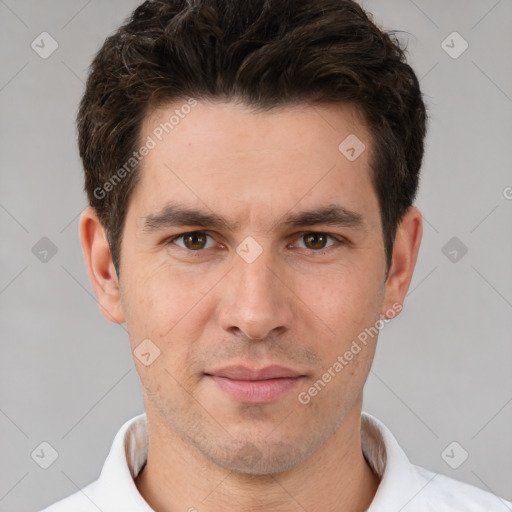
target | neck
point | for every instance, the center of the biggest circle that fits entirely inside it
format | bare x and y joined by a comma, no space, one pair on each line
335,477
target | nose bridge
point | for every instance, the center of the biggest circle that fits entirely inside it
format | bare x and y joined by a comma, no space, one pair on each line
256,279
254,273
258,301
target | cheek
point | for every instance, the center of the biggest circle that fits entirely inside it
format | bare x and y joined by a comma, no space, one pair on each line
162,306
164,303
346,299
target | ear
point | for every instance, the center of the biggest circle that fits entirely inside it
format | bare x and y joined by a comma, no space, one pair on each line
405,253
100,266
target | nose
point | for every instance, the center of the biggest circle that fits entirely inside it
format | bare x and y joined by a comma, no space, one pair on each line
256,299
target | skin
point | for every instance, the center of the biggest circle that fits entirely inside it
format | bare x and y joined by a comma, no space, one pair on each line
209,308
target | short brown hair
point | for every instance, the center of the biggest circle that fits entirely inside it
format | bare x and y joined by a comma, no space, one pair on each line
265,53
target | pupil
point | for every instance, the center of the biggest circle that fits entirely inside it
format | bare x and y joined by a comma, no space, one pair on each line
316,240
195,241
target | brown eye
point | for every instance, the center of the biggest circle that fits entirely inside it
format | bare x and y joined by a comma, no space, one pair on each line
315,240
194,241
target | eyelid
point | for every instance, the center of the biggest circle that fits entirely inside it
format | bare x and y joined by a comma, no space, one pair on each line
173,239
337,238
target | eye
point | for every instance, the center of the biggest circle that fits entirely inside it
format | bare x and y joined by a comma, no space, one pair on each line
316,241
194,241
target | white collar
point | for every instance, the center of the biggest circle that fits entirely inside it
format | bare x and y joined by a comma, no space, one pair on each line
403,486
400,482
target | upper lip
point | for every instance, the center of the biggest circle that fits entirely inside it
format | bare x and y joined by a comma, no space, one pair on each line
246,373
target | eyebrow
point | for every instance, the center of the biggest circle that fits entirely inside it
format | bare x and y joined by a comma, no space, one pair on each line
331,215
176,215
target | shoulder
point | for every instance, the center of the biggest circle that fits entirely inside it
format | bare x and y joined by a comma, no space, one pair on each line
115,488
441,492
411,488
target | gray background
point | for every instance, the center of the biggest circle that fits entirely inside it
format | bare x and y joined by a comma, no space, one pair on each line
442,371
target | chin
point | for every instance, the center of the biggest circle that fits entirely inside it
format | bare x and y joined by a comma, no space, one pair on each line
262,459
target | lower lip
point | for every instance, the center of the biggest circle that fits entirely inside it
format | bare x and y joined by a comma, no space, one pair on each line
256,391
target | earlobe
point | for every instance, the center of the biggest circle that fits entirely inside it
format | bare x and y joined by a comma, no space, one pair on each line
405,253
100,267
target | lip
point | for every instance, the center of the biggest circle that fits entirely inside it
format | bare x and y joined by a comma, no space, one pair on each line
241,372
255,386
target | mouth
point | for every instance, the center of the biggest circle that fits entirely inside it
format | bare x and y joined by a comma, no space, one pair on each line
255,386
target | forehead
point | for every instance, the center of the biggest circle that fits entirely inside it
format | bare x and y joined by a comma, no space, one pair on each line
240,127
231,156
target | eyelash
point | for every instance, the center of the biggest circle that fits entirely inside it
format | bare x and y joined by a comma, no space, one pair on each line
318,252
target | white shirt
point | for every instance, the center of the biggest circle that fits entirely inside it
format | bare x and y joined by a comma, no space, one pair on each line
404,487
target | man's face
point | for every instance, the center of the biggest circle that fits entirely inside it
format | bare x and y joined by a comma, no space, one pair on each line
253,289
